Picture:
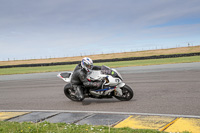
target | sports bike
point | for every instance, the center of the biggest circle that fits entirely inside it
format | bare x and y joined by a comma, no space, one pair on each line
113,85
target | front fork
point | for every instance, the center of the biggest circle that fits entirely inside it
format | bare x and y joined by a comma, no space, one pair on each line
118,89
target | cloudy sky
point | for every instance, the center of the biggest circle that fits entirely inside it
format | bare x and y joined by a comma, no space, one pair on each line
56,28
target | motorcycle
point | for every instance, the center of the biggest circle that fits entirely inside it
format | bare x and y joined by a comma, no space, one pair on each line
113,85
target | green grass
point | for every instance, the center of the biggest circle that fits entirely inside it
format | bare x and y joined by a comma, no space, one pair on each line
152,62
46,127
24,70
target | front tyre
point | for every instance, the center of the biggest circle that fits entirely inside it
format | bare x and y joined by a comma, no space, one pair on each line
127,93
70,92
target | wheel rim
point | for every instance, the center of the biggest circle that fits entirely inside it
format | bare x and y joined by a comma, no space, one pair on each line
71,94
125,93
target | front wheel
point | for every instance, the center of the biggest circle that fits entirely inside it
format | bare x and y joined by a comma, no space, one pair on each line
127,94
70,92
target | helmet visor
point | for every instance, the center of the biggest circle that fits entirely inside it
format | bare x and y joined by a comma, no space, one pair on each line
89,66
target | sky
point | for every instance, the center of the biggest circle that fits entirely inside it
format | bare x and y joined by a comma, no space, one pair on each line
34,29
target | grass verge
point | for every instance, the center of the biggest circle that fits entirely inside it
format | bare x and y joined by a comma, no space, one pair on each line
46,127
24,70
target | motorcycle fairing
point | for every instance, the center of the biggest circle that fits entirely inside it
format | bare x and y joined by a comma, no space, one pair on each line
65,76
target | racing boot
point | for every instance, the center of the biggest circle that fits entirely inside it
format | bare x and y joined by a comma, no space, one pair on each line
79,93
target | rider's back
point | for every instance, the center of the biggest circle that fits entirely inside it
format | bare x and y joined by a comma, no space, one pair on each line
75,80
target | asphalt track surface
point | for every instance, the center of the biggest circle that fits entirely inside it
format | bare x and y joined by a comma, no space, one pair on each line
160,89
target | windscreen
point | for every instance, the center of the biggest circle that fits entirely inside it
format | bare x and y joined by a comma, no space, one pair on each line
104,68
109,71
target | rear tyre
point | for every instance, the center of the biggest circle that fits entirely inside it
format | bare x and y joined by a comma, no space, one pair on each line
70,93
127,94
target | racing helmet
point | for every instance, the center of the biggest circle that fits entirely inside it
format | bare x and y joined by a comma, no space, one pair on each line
87,64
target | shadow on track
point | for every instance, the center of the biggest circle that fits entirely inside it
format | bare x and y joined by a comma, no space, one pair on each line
102,101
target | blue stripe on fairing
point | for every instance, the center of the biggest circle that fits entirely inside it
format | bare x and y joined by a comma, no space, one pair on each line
105,89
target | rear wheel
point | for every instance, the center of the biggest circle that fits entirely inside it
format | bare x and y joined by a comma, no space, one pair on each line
127,94
70,92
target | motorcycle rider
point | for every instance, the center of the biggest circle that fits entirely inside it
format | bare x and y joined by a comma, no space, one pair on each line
79,77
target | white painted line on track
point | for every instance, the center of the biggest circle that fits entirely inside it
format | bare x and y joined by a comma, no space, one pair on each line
104,112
